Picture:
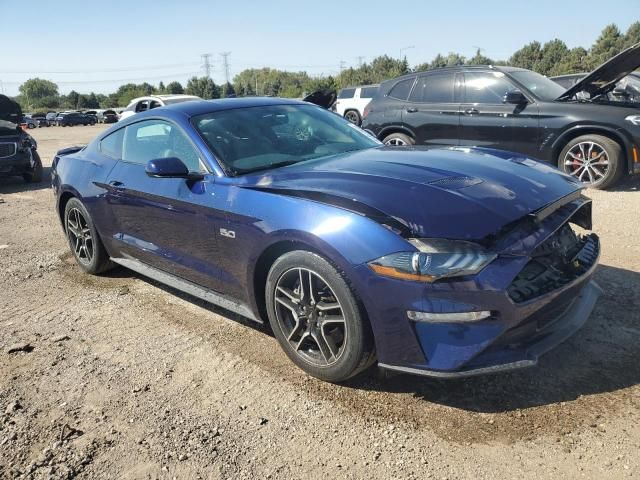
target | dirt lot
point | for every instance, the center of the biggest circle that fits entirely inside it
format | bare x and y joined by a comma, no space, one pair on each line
123,378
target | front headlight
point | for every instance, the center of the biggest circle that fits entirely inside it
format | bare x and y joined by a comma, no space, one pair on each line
635,119
435,259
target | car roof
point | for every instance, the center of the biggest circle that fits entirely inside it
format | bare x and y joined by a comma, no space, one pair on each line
456,68
207,106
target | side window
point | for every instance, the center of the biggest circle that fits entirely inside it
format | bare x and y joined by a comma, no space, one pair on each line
111,145
155,104
435,88
368,92
153,139
401,89
347,93
486,87
142,106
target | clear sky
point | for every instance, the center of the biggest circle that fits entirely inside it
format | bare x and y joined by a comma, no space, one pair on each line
91,45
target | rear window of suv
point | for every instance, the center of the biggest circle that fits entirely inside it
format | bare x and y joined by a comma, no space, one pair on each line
347,93
436,88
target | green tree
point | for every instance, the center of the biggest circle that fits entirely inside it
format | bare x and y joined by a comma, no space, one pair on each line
632,36
527,57
35,90
174,88
572,62
161,87
608,44
479,59
202,87
552,53
72,99
228,90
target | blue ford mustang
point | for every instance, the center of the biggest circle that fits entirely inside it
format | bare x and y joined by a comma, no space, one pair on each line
441,262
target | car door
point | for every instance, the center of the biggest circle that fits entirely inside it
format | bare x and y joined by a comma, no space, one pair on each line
432,110
168,223
486,121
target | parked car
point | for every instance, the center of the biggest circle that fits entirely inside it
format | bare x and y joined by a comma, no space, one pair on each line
107,116
91,114
69,119
18,149
353,100
440,262
626,90
28,122
142,104
518,110
42,122
51,117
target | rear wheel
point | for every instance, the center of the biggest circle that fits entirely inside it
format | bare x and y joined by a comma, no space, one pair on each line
316,318
398,139
595,160
353,116
35,175
83,238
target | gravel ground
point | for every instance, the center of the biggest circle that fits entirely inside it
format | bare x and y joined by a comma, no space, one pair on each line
117,376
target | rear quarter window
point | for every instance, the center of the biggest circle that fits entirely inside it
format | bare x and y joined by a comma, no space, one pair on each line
347,93
368,92
111,145
400,90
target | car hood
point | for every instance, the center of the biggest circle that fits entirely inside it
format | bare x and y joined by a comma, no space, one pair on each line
455,193
323,98
10,116
604,78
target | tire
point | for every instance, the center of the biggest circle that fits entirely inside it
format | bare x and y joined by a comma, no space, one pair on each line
353,116
398,139
598,149
31,126
35,175
343,329
75,225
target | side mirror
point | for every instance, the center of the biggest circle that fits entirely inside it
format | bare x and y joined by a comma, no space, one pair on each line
515,97
170,167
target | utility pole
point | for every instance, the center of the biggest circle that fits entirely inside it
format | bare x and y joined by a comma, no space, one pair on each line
225,63
206,64
360,58
343,65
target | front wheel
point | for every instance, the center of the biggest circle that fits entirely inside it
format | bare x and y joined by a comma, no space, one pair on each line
398,140
35,175
83,238
595,160
316,317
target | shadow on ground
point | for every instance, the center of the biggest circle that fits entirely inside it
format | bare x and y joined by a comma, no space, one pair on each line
18,185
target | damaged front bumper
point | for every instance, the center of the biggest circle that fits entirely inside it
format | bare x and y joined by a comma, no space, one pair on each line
529,305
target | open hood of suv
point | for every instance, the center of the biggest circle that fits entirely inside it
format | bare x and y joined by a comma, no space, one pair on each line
605,77
10,116
323,98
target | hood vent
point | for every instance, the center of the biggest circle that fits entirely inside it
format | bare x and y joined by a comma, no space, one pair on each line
456,183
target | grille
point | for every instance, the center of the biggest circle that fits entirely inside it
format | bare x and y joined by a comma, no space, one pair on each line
7,149
558,261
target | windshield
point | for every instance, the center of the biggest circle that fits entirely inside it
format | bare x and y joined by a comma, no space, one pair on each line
539,85
258,138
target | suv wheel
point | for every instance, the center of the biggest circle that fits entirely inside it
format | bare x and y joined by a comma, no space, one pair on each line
595,160
353,116
316,318
398,139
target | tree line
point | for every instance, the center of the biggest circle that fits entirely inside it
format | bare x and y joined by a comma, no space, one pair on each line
551,58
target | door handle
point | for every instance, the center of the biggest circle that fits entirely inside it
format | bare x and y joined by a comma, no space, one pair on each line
412,110
116,184
471,111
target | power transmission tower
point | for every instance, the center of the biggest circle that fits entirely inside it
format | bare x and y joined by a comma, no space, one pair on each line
206,64
343,65
225,63
360,58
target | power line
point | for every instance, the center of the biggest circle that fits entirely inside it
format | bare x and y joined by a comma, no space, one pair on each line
225,62
119,69
206,65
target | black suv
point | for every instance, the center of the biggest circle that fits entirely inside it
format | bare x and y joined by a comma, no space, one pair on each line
69,119
514,109
18,154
